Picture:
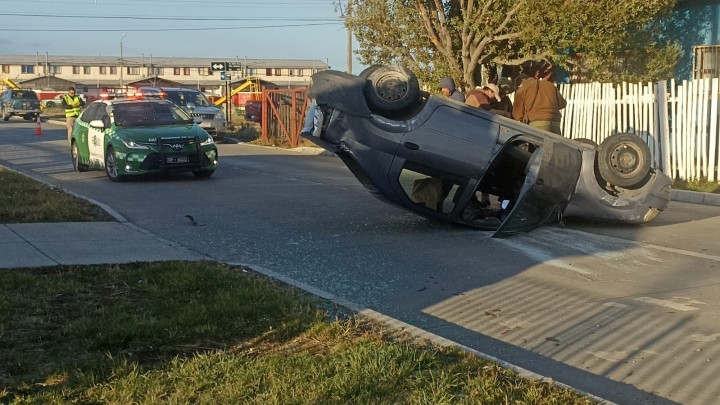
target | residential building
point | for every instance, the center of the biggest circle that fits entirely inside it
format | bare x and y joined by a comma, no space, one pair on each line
89,74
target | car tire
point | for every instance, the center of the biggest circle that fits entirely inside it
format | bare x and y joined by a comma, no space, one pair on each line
624,160
111,166
76,158
203,173
365,73
391,90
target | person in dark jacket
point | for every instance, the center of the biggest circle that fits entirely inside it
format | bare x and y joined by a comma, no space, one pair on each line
538,102
447,88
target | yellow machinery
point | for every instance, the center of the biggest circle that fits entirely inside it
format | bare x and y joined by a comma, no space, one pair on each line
251,85
9,83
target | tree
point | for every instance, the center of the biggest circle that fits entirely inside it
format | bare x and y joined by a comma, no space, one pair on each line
461,37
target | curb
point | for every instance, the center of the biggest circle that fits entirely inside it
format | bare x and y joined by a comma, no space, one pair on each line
695,197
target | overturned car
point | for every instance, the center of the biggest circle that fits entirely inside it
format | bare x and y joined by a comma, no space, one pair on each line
445,160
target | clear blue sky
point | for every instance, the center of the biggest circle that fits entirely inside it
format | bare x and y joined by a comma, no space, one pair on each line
222,29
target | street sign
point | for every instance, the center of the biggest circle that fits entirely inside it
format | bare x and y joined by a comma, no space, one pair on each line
225,76
218,66
234,66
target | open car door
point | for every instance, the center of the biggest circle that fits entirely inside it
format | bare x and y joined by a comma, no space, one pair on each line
551,175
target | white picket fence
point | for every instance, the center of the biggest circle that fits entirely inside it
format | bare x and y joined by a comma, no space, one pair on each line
679,122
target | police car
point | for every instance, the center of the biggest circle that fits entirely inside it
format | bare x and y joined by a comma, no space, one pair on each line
135,137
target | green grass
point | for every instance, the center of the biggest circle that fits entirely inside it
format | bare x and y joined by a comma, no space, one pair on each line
178,332
701,185
25,200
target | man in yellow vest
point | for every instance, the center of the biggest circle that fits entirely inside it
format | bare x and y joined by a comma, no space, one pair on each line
73,105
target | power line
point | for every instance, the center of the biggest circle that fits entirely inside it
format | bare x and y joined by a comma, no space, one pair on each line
146,29
114,17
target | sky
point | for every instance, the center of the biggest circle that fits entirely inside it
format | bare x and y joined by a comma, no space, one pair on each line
230,30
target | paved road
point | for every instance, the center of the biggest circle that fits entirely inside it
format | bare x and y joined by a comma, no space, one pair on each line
625,313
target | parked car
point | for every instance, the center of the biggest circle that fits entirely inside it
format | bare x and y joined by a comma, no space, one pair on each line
56,101
194,102
253,111
21,103
135,137
435,156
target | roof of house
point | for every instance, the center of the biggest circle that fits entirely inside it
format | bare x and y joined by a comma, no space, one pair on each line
66,60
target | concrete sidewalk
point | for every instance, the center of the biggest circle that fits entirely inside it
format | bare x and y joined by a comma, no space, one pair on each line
82,243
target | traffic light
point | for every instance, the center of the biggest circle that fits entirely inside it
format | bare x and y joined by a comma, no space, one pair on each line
222,76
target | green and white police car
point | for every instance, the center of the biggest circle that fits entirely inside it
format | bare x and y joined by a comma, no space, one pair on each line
135,137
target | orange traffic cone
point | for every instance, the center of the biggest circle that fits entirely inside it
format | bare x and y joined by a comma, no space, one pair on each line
38,128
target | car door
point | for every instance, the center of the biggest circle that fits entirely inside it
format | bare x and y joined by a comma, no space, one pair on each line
550,179
440,160
87,137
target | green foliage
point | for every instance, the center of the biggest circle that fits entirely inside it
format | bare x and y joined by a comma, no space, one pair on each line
700,185
435,39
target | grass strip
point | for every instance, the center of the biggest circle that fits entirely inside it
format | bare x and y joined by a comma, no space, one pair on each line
208,333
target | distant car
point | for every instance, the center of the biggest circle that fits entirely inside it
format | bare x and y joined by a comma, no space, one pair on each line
56,101
21,103
253,111
437,157
194,102
135,137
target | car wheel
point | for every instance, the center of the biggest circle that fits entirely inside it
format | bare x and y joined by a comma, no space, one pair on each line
624,160
76,158
391,90
111,166
365,73
50,104
203,173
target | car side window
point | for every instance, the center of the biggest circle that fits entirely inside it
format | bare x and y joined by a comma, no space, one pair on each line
91,113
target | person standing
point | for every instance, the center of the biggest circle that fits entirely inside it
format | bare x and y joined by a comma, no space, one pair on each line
73,105
447,88
538,102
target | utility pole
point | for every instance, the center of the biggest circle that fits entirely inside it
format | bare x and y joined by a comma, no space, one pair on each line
122,82
349,55
346,15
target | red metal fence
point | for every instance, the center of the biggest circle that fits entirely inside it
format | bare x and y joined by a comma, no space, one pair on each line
283,112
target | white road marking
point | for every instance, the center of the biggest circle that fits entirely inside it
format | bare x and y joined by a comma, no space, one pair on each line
679,306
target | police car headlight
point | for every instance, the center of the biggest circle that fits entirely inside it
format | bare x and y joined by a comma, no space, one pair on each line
133,145
208,141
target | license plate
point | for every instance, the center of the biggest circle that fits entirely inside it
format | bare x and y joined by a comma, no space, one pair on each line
177,159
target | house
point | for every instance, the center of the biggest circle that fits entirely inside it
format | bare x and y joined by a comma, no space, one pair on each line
90,74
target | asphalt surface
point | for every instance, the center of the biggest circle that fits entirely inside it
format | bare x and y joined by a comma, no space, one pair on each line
47,244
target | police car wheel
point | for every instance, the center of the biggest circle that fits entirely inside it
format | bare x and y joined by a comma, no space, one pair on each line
76,158
111,166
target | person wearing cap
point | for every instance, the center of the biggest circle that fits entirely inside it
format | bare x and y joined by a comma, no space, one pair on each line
447,88
505,104
538,103
73,105
486,97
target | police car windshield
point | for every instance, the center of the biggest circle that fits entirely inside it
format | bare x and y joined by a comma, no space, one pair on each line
143,114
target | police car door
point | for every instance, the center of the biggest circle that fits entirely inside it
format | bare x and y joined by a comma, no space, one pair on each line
96,136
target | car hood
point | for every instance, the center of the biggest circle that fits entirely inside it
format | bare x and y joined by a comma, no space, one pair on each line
151,134
206,110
